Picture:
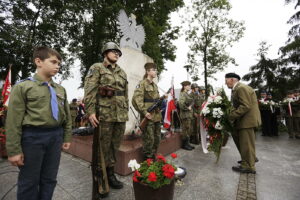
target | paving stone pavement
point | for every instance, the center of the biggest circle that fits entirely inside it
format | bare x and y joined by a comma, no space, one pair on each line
277,178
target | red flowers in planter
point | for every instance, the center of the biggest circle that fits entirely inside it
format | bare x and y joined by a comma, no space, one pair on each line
154,173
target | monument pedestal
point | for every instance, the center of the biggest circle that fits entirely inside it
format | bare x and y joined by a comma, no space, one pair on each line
130,149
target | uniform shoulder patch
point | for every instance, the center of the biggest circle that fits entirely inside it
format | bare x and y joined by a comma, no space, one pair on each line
138,86
90,72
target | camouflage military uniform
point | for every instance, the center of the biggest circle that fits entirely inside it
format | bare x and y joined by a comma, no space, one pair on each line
198,100
73,110
144,96
186,115
112,111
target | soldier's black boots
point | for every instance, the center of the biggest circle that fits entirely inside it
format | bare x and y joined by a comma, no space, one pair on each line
112,179
186,145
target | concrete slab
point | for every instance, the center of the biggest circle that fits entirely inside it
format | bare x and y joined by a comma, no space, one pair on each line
278,175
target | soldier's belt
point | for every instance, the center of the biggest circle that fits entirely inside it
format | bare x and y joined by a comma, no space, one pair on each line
109,92
150,100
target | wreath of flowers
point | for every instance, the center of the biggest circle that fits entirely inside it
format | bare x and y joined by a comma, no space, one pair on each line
215,114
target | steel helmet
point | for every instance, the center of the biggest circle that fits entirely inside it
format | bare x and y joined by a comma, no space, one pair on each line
111,46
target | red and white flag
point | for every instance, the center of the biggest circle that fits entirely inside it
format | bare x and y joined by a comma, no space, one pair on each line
6,88
170,106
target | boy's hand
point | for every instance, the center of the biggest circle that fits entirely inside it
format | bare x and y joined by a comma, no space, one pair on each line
17,160
66,145
93,119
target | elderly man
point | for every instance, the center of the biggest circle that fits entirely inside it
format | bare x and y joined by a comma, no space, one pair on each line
245,116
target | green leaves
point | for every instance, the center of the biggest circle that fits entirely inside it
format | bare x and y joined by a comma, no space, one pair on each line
210,32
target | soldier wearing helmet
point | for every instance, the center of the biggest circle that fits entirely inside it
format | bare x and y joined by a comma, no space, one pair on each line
106,93
198,100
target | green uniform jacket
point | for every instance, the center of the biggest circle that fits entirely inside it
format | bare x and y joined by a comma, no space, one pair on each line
73,109
146,91
245,111
111,109
30,104
296,108
185,100
198,100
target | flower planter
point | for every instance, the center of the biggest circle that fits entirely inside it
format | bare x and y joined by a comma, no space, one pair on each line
145,192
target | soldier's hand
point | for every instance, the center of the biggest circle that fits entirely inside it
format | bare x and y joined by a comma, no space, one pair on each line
17,160
148,115
93,119
66,145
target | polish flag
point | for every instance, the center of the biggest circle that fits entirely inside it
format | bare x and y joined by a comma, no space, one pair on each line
170,106
6,88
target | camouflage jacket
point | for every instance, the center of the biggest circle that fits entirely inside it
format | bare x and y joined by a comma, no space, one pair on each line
73,109
141,99
185,100
111,109
198,100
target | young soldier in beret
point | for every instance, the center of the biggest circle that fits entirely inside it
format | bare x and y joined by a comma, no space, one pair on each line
186,115
245,116
38,125
145,95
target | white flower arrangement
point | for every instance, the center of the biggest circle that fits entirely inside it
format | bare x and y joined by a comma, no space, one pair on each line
217,113
133,165
205,111
218,126
288,100
218,100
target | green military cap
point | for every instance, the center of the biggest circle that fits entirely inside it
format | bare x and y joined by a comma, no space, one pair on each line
148,66
184,83
201,87
194,85
111,46
290,92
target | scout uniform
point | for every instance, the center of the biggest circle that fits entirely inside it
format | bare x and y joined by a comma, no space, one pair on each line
145,95
198,100
73,110
289,114
246,116
31,129
186,116
106,93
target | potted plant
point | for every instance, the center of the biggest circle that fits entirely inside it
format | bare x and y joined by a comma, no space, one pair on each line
153,179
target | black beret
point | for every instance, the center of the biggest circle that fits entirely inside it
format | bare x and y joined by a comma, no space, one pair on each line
232,75
263,92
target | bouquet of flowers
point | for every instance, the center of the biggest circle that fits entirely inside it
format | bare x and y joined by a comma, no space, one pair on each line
154,173
267,105
215,113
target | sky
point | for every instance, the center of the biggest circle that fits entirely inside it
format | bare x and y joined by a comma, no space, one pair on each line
265,20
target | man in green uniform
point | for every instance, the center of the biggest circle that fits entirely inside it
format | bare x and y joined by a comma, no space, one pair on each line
38,125
145,95
186,114
106,93
245,116
195,137
73,110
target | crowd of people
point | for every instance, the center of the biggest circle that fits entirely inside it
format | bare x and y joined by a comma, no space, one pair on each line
39,109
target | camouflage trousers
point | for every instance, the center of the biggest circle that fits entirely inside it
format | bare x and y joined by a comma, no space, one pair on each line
186,128
151,138
196,126
73,121
111,134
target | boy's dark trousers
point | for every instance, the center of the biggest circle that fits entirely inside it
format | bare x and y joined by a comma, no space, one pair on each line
42,150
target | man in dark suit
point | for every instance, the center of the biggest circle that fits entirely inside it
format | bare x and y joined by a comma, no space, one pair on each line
245,116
